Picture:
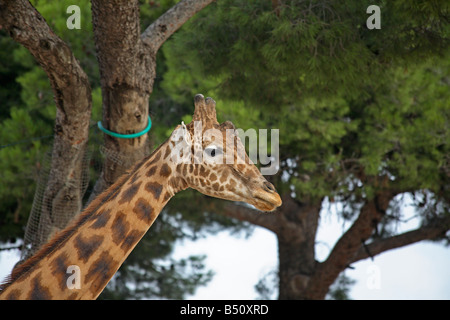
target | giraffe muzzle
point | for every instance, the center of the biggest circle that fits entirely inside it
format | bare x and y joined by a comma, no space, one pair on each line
266,197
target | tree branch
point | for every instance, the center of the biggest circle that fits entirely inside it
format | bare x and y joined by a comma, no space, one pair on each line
431,231
70,83
166,25
344,250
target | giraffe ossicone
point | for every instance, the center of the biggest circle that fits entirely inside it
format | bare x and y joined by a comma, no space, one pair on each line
105,233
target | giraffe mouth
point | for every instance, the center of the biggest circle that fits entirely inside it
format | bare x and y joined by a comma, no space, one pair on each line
266,201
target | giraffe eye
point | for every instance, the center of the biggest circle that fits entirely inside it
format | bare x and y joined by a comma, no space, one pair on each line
213,151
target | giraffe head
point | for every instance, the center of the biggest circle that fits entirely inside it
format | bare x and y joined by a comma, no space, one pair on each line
210,157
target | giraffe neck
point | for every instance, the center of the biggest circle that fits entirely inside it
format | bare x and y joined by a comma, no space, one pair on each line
80,261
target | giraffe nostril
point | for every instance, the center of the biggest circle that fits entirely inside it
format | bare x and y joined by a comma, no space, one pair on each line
268,186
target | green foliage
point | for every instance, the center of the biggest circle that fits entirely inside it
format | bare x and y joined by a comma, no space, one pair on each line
358,110
30,118
152,10
268,285
308,49
9,70
413,30
166,278
19,167
313,70
406,128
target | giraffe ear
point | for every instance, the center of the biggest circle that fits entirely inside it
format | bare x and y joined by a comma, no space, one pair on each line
181,134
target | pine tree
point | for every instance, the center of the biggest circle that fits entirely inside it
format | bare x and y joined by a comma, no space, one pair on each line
363,117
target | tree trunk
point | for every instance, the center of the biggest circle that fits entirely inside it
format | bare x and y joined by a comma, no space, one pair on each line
127,70
127,61
296,247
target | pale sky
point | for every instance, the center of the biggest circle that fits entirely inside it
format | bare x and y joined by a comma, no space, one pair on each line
417,271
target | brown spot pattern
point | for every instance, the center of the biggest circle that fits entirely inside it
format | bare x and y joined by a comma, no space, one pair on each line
203,172
166,196
129,193
165,170
101,219
224,176
59,268
153,160
143,210
100,272
154,188
131,239
38,291
119,227
87,246
151,171
134,177
13,295
167,153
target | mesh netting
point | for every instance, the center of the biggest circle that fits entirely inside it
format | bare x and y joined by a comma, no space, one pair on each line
50,214
30,238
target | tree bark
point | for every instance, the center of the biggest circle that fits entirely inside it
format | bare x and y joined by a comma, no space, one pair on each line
127,71
160,30
72,93
296,246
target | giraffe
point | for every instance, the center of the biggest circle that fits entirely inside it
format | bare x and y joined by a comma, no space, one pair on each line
97,243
